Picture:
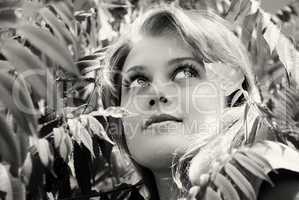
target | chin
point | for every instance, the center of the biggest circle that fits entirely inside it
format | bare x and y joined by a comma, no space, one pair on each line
158,154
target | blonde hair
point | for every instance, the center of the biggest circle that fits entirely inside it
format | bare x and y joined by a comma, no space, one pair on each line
209,36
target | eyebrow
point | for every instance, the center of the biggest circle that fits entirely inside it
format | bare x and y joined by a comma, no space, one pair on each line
180,59
141,68
136,68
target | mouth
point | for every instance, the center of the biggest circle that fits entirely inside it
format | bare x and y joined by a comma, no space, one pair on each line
154,119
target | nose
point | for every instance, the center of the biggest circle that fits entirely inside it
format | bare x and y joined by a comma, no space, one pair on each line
153,101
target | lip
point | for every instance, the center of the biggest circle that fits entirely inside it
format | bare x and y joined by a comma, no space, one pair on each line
160,118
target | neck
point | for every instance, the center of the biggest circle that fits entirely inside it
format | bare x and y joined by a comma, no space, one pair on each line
166,187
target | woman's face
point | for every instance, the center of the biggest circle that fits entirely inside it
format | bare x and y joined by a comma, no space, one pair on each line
176,102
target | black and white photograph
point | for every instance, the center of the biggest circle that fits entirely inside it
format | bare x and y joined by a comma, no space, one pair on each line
149,99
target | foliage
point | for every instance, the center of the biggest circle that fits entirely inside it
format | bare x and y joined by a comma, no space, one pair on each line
53,141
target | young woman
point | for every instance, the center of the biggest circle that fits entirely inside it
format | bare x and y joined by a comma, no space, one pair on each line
187,78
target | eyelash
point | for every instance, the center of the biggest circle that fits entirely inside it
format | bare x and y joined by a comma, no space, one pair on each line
192,69
128,83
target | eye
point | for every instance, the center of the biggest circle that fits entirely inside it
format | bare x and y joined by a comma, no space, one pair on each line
185,71
139,82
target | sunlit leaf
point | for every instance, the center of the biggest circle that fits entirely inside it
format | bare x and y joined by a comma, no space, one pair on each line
69,147
56,51
240,180
271,35
58,136
80,134
96,127
252,167
226,187
9,149
26,169
236,97
211,194
62,142
113,111
288,55
5,183
44,152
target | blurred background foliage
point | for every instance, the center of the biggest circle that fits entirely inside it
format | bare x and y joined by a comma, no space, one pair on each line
53,140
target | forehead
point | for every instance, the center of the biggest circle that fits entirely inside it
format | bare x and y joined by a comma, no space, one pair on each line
148,50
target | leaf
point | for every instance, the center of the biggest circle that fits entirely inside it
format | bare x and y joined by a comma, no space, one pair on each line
9,150
63,143
238,10
236,97
271,35
15,96
5,183
246,109
96,127
58,136
288,55
248,27
240,181
66,17
113,111
211,194
26,169
57,26
69,147
56,51
80,134
233,10
31,67
226,188
44,152
254,130
252,167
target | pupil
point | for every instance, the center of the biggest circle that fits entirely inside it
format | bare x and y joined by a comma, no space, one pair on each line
188,73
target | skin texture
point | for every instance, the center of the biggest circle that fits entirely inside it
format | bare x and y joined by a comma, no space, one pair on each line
163,65
194,100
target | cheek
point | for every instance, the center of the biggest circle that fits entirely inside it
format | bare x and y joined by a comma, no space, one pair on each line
135,101
203,109
207,98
